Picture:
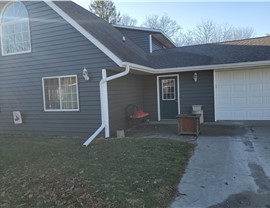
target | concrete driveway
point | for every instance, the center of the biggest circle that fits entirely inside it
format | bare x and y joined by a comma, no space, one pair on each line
230,167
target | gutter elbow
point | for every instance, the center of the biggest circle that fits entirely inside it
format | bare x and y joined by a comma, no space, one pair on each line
127,69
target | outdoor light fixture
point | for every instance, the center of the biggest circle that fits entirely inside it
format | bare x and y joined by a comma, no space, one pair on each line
85,74
195,77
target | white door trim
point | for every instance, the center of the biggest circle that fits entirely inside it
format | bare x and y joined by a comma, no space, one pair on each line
215,95
158,92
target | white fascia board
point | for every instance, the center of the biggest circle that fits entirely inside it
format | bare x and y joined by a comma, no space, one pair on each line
85,33
138,28
196,68
138,67
215,67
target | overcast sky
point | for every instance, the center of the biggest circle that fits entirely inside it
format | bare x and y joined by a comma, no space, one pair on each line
188,14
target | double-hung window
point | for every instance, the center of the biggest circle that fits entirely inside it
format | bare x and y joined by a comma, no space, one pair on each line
15,31
60,93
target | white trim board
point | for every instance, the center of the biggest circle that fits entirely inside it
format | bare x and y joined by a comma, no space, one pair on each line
232,66
158,92
215,94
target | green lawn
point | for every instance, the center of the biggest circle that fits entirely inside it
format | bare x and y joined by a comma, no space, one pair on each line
39,172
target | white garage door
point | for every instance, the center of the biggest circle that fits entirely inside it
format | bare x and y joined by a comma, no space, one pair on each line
242,95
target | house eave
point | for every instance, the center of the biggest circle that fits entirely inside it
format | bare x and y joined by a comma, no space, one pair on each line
196,68
216,66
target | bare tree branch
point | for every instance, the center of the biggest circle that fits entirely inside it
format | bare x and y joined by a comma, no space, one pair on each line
169,26
126,20
209,32
105,10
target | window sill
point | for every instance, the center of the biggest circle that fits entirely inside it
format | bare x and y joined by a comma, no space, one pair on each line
71,110
18,53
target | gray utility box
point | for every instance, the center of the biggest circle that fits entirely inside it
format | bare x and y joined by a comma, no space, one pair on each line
197,110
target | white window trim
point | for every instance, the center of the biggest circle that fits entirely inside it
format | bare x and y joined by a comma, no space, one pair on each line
1,31
60,110
162,95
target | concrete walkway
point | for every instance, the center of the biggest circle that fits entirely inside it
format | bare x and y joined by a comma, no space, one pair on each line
230,168
161,130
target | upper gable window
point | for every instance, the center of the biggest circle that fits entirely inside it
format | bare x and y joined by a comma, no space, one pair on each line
15,36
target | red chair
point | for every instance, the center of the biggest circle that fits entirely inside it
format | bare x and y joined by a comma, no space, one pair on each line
133,112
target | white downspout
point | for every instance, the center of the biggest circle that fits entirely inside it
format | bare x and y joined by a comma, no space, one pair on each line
150,43
104,104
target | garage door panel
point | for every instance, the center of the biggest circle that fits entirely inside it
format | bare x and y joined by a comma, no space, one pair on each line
255,88
267,72
238,91
239,101
243,95
223,102
267,86
224,78
239,115
239,88
268,100
239,77
226,114
255,101
266,114
225,88
255,115
255,76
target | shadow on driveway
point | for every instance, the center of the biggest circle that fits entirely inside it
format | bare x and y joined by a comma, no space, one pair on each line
222,129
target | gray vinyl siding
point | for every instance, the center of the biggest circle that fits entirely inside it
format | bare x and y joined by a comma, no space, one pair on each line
57,49
200,93
156,45
140,38
150,96
122,92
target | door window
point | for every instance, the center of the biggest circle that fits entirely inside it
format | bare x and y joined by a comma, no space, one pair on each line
168,89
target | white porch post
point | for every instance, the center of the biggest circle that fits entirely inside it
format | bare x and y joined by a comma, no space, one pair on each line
105,104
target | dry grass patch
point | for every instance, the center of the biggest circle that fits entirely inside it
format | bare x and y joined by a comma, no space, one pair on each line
37,172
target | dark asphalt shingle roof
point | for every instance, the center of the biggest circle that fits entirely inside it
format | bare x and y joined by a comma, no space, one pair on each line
170,59
249,50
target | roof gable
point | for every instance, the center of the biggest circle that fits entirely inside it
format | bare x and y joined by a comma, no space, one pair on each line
158,34
100,33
